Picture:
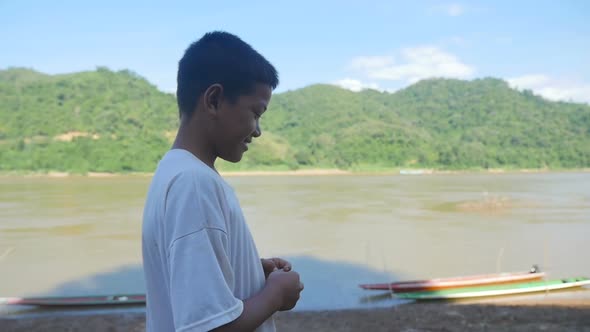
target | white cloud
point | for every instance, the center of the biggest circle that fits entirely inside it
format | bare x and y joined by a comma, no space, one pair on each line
527,81
417,63
454,9
553,89
451,9
369,62
355,85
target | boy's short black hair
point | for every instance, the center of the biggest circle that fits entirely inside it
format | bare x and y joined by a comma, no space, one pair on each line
223,58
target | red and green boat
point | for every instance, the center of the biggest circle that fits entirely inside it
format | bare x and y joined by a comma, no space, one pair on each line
496,290
96,300
458,282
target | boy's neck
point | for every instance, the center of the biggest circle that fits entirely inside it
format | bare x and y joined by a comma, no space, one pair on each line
188,139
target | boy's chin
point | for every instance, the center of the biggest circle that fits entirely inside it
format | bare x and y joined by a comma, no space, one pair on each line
233,159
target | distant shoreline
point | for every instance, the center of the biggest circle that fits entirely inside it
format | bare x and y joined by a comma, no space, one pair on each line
305,172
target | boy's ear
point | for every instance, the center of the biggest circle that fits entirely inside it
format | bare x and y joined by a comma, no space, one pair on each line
212,98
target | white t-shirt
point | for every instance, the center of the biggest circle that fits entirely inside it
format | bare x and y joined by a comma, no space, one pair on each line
199,258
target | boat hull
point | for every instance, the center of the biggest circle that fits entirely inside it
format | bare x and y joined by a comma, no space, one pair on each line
496,290
459,282
77,300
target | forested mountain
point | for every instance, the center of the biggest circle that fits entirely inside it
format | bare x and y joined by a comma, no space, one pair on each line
107,121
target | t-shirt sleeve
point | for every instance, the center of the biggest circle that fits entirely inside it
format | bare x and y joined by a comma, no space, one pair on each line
200,272
200,279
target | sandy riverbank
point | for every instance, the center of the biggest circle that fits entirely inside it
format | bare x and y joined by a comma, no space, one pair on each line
309,172
304,172
548,316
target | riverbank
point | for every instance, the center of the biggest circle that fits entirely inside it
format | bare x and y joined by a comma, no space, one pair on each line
307,172
560,316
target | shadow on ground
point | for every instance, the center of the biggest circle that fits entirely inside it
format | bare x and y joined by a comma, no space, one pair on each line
328,286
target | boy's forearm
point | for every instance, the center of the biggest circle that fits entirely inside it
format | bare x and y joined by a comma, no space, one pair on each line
257,309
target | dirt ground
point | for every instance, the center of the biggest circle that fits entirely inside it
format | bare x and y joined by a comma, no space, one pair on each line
568,316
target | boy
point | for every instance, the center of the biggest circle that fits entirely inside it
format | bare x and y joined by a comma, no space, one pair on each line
201,266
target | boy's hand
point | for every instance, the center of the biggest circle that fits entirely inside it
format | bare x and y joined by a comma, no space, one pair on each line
287,286
272,264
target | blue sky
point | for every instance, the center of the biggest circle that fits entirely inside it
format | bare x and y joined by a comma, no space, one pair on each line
386,45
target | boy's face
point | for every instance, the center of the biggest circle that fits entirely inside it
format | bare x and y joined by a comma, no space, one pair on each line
238,122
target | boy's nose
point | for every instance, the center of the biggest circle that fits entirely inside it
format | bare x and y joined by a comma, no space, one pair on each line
257,132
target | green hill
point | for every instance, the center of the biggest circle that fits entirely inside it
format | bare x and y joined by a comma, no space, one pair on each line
107,121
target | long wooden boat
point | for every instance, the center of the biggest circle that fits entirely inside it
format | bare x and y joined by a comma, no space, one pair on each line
96,300
457,282
495,290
